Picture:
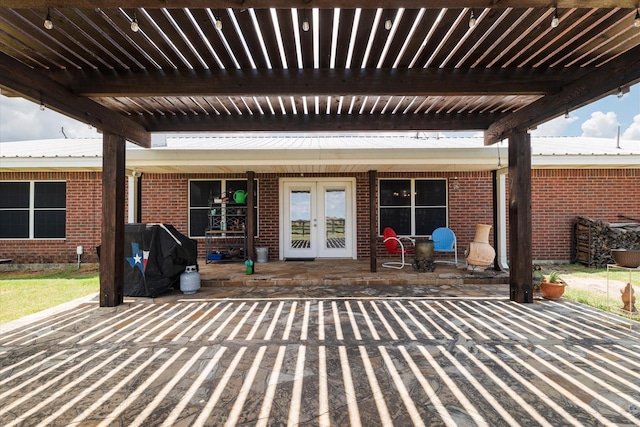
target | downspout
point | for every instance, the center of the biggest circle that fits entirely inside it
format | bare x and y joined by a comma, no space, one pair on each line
500,219
133,211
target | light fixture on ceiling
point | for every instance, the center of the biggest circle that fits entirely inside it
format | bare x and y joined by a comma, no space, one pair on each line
218,22
472,20
566,115
636,20
134,24
388,24
555,20
48,23
305,22
622,90
42,107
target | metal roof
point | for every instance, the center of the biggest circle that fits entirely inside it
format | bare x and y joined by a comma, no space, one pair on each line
321,154
361,66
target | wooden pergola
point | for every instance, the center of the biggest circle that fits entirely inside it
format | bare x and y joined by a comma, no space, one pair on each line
308,66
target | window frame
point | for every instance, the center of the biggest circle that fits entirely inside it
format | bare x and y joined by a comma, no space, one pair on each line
412,206
32,210
223,189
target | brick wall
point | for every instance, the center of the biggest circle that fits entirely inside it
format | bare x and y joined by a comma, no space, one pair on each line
165,199
268,214
470,204
362,215
557,197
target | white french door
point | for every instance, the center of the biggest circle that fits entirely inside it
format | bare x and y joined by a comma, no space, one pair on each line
317,219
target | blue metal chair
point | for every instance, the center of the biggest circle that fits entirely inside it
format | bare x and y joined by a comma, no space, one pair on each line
444,240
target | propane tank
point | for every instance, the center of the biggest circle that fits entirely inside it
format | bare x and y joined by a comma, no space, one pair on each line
190,280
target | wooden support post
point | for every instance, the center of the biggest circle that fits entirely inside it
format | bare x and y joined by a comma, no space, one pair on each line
250,220
373,223
113,201
520,228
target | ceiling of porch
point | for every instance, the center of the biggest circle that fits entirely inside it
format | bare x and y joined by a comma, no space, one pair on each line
385,66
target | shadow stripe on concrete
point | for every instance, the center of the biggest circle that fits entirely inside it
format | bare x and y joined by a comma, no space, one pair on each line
334,361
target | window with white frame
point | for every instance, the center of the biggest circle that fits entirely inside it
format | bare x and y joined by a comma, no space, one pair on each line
412,207
201,192
33,209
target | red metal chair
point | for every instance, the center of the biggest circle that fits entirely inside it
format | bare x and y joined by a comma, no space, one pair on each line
394,246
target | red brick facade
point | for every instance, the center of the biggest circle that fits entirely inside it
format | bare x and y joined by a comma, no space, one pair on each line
558,196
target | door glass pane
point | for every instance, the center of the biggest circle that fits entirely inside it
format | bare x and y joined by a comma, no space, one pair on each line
300,218
335,213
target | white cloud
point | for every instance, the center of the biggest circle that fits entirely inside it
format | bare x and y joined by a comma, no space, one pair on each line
22,120
601,125
554,127
633,131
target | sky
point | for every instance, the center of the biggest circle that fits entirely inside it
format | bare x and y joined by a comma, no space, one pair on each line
22,120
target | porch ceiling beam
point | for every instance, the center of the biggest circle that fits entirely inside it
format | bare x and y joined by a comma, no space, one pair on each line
309,123
598,83
323,4
310,82
32,85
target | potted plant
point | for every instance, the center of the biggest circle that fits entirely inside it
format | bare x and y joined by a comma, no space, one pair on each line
552,287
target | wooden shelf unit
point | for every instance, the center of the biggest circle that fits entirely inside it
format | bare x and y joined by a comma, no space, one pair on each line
227,231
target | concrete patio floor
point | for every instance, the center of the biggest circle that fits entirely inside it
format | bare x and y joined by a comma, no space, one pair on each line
331,272
448,354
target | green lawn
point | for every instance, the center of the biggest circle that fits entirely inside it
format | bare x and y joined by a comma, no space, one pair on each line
27,292
579,270
23,293
584,296
591,299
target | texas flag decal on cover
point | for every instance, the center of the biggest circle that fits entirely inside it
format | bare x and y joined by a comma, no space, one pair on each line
138,257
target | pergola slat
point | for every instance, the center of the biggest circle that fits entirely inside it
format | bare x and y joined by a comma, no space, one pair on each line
261,72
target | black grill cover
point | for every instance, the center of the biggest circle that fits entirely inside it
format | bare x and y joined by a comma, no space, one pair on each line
154,257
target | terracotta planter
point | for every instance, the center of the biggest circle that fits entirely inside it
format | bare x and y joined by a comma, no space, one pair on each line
552,291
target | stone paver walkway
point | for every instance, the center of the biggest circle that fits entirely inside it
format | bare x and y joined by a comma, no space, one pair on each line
290,357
